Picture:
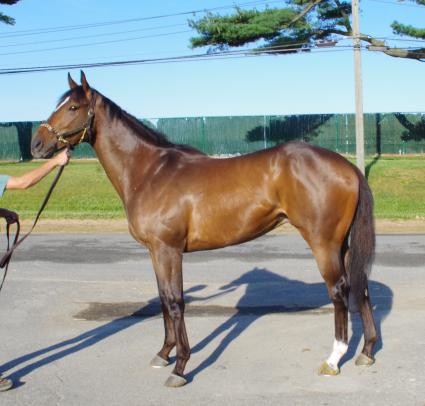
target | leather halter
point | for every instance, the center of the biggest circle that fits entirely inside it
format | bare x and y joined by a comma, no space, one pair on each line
86,129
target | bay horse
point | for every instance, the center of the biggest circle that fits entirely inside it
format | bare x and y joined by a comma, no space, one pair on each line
177,200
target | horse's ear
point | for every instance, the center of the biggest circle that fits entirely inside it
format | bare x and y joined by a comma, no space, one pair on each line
72,84
85,84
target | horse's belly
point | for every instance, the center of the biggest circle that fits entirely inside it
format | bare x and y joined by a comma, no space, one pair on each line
231,229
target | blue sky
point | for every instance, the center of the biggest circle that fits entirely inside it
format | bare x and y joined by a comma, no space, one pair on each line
316,82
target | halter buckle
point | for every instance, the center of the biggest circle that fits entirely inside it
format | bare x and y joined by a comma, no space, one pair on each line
60,138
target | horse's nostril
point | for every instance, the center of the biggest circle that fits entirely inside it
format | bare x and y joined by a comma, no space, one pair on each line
37,145
36,148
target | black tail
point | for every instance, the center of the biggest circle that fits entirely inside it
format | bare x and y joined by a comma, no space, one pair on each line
362,242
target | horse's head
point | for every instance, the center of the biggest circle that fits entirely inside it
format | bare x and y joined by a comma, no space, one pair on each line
71,122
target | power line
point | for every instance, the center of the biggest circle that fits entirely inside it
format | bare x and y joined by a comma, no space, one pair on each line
107,34
169,51
41,31
94,43
185,58
75,27
398,3
401,39
135,38
175,59
256,51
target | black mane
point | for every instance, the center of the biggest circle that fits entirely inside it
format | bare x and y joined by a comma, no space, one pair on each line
141,130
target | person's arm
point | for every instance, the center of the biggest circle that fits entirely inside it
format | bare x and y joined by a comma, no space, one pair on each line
31,178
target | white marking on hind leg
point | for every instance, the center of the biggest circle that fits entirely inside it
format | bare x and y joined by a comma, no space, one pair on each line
338,351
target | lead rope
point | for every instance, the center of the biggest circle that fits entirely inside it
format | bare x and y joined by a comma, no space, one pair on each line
13,218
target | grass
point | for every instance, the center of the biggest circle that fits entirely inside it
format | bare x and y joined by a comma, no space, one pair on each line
84,191
398,185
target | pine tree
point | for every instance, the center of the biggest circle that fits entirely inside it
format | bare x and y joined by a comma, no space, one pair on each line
299,26
408,30
4,18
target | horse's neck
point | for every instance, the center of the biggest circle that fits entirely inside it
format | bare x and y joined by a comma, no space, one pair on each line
121,153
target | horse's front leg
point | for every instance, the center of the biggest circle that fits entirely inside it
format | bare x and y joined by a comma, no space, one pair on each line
162,358
167,262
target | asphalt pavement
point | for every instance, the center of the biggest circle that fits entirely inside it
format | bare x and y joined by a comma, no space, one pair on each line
80,322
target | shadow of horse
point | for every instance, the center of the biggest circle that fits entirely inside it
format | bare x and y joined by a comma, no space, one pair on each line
276,293
82,341
266,287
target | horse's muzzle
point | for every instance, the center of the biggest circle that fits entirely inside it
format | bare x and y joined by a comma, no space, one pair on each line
41,149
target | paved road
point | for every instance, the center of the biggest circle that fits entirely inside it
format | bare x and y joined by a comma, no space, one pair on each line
258,316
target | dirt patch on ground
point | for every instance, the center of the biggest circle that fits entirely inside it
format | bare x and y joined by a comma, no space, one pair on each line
416,226
120,226
87,226
400,226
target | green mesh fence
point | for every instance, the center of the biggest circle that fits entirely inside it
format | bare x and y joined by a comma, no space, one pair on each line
386,133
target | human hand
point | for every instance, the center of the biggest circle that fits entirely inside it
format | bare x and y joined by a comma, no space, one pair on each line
62,158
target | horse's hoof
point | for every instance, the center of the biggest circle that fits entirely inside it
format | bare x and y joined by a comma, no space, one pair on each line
327,370
175,381
364,360
159,362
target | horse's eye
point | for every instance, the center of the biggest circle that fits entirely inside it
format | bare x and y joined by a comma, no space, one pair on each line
73,107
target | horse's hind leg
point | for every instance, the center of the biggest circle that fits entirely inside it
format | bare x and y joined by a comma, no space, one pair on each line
369,328
332,264
370,334
329,260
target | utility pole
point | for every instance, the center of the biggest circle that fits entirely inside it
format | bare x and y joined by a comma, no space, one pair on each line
358,87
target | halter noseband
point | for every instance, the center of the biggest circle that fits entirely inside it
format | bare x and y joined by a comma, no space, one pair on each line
86,129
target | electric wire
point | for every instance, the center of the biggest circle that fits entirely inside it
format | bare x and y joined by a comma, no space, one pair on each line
185,58
231,54
41,31
175,59
93,43
398,3
106,34
400,39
